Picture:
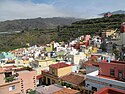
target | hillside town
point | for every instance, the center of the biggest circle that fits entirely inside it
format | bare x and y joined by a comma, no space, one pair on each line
86,65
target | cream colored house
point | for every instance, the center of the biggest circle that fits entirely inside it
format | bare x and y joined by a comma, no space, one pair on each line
74,59
44,64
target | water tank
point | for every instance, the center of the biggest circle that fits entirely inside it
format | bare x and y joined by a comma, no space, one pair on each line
123,27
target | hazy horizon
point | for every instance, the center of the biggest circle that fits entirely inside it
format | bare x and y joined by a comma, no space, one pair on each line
28,9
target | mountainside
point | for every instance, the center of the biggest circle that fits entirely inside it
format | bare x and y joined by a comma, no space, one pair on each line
37,23
115,12
91,26
61,33
119,12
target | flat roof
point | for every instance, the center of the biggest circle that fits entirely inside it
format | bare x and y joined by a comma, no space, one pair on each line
112,78
114,62
49,89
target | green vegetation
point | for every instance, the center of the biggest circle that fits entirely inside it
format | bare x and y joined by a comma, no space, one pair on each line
13,41
66,84
61,33
32,92
90,26
36,23
9,79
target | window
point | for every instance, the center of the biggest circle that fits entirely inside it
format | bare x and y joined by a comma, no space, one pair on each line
120,74
110,85
70,59
87,85
48,81
12,88
53,72
53,81
8,74
94,88
2,61
112,72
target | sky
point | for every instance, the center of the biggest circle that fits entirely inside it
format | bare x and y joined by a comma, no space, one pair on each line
26,9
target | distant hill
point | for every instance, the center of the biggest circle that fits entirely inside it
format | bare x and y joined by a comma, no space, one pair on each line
119,12
37,23
60,33
115,12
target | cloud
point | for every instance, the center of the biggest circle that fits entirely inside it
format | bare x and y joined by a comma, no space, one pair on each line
12,9
22,9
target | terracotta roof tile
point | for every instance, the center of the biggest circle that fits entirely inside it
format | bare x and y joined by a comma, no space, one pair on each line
39,76
74,79
91,63
10,67
67,91
59,65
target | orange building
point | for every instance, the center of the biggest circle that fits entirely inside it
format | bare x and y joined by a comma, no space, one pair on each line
15,80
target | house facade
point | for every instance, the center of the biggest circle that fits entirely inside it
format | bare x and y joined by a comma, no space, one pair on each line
55,71
110,74
15,80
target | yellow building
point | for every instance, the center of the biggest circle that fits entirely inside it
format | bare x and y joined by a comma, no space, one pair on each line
94,50
26,62
55,71
50,48
109,33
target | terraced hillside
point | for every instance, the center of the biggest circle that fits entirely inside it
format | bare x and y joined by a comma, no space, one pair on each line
90,26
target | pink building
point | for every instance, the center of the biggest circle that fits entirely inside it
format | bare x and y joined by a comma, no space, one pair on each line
115,69
87,37
15,80
110,73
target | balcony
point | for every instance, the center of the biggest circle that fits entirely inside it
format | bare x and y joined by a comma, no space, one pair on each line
11,78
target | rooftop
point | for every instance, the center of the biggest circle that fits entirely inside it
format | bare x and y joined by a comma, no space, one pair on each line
39,76
74,79
59,65
15,68
49,89
67,91
10,67
112,78
108,90
97,76
114,62
91,63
